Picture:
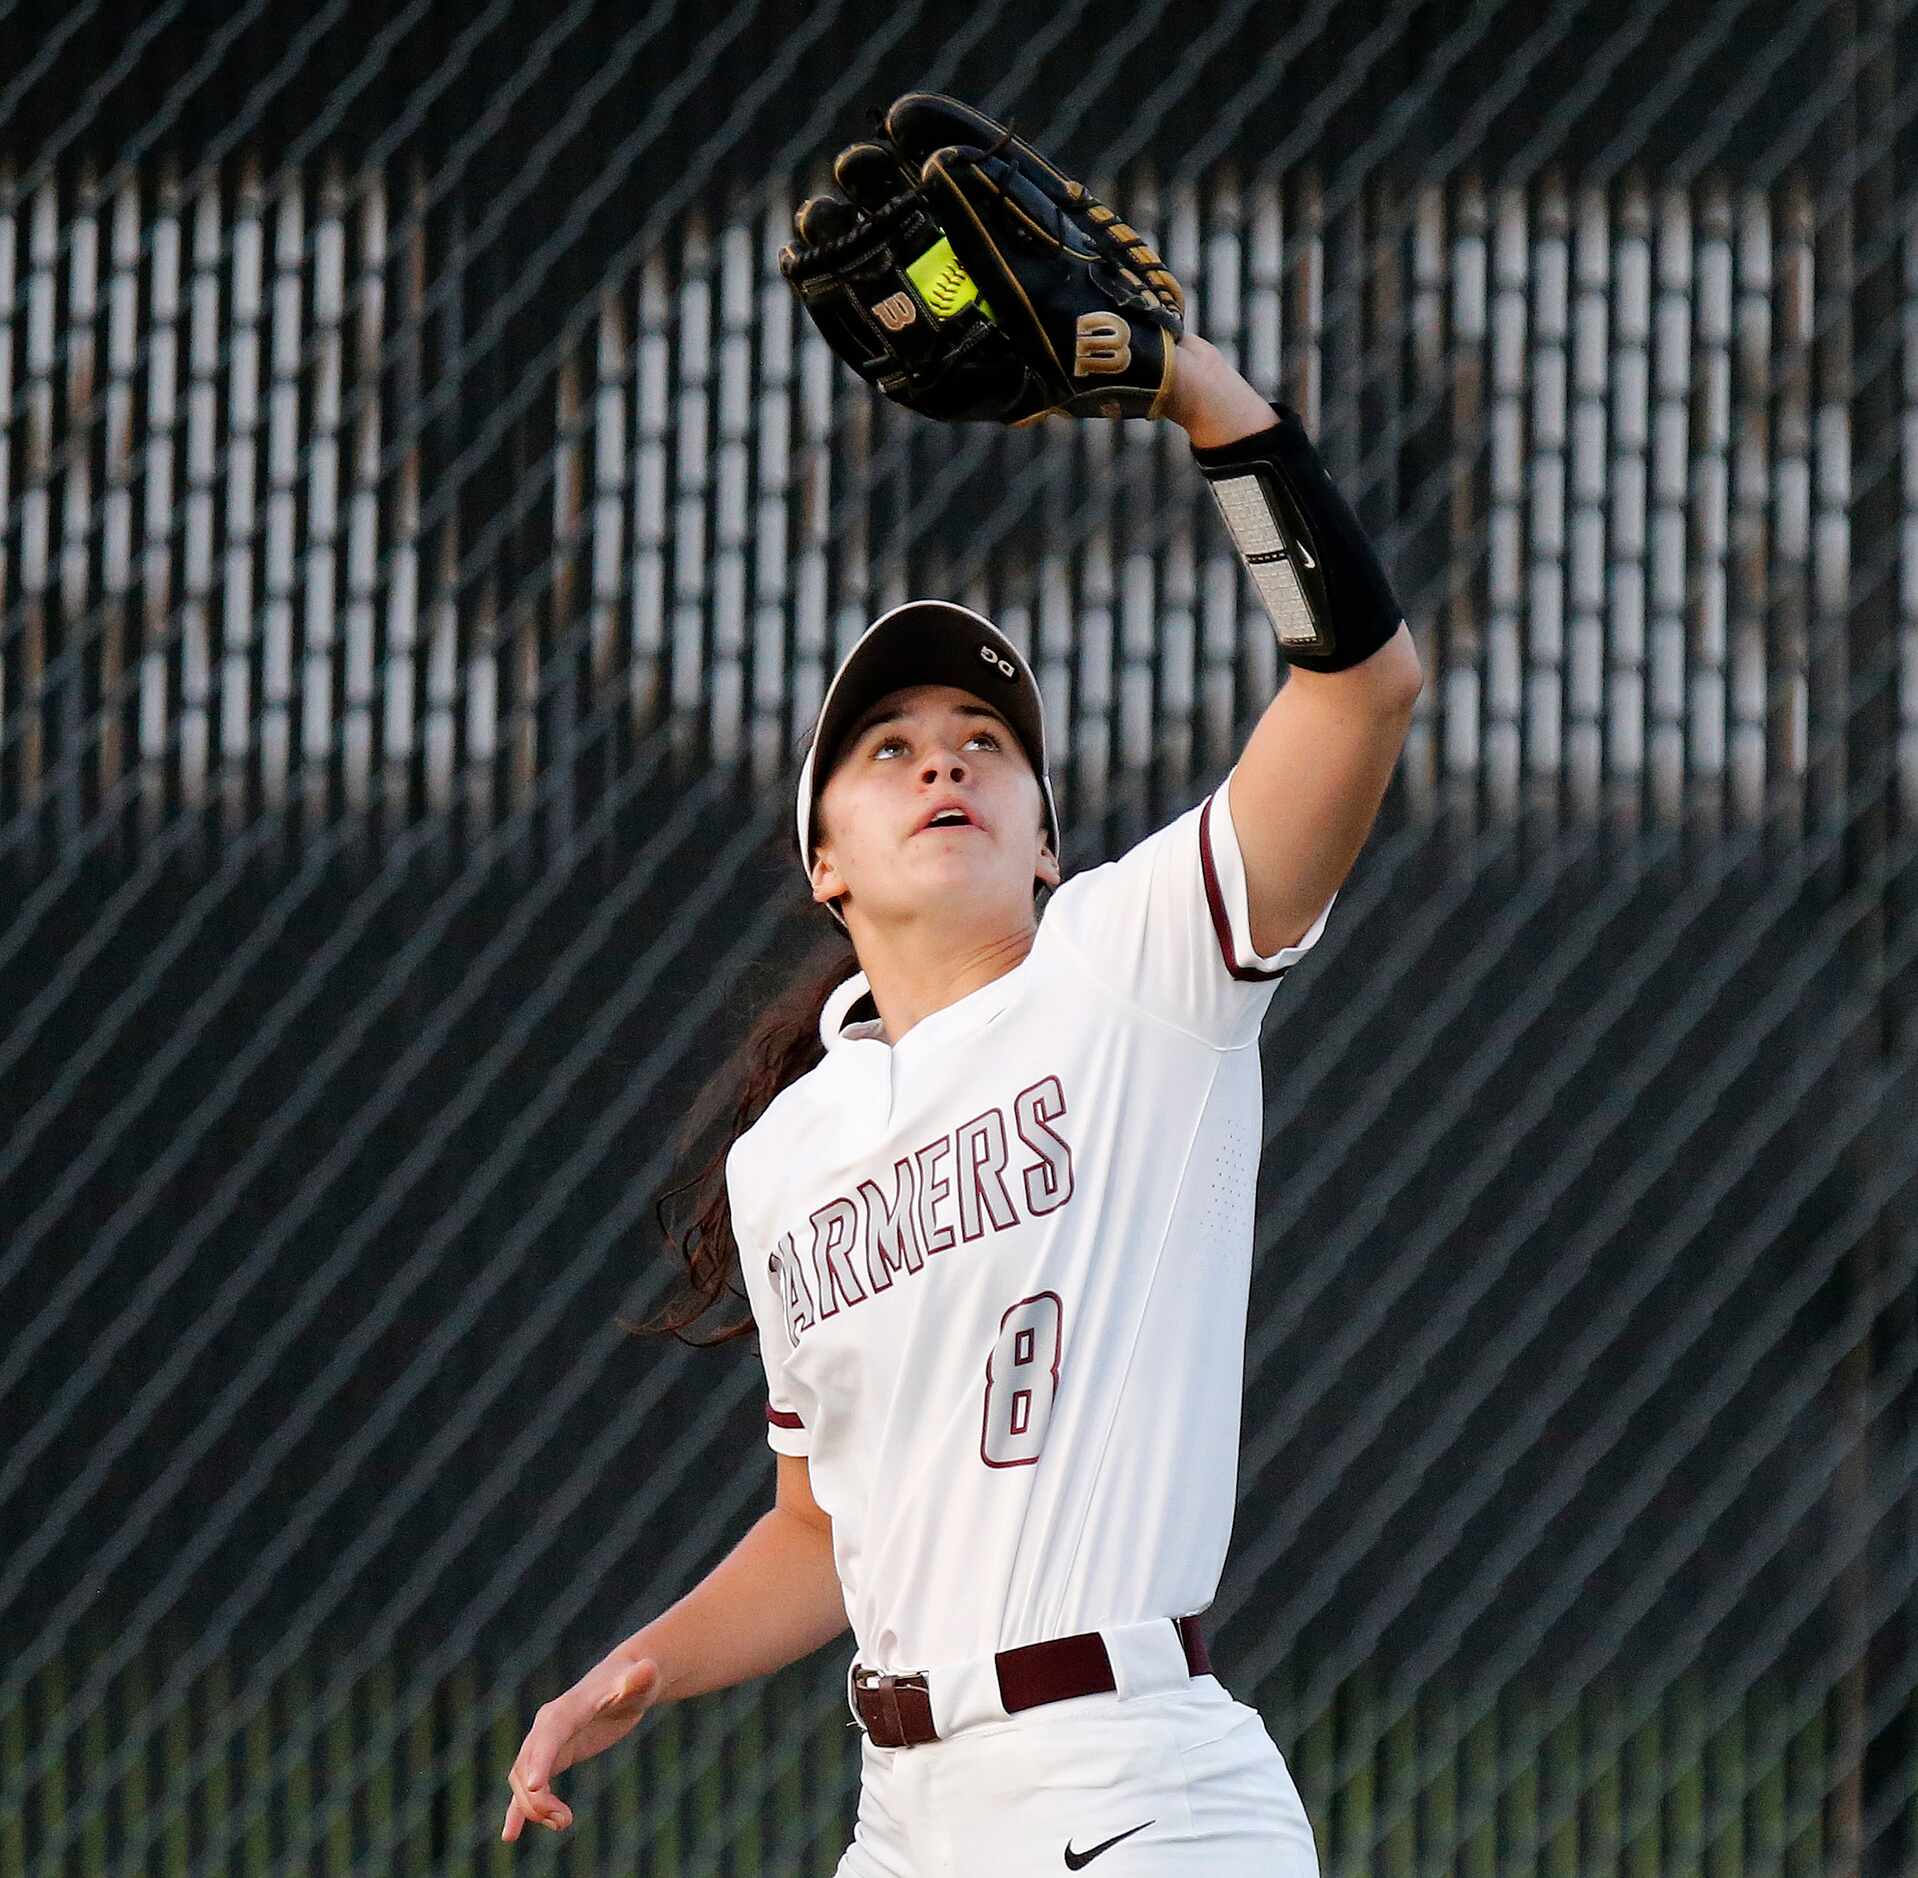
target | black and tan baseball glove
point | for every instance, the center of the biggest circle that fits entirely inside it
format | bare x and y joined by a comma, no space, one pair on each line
968,279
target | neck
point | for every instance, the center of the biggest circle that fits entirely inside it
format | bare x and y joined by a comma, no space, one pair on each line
918,970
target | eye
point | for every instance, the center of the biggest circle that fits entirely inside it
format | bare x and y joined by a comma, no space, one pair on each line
886,743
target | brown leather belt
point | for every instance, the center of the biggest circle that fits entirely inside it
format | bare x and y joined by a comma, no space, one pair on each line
896,1711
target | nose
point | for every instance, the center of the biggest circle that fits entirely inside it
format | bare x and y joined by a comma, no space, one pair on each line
942,763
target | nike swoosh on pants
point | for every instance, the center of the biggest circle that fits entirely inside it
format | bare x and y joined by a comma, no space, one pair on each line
1077,1861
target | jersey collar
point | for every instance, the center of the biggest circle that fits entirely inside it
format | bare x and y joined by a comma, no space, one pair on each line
833,1028
975,1008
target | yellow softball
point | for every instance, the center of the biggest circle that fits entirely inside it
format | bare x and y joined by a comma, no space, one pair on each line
944,285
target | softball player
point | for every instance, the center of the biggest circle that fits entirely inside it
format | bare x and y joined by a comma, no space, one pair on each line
995,1228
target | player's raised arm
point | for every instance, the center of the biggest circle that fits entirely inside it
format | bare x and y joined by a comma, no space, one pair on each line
967,278
1313,773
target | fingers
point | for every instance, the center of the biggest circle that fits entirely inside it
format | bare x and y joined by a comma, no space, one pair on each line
534,1802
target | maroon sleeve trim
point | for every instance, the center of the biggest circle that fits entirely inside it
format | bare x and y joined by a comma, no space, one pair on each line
1221,921
782,1418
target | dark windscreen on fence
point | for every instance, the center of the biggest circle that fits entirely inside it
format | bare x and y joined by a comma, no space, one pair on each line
427,525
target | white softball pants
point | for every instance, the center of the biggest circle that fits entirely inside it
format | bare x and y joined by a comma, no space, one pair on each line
1171,1784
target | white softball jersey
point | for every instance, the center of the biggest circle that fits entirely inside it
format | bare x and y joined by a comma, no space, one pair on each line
999,1268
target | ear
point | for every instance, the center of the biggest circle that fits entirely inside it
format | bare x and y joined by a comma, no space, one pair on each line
826,883
1048,865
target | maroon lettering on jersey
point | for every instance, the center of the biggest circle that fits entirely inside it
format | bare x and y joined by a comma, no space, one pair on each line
834,1280
1048,1185
981,1145
793,1291
894,1234
892,1226
932,1190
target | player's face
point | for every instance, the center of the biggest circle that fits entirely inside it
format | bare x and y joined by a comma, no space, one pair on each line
914,752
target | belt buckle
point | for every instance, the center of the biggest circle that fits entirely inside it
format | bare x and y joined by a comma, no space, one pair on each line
885,1688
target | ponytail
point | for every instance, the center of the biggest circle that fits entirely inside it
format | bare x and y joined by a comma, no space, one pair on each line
782,1046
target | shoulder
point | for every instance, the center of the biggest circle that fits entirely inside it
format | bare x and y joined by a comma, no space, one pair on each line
1094,908
1105,876
768,1142
750,1151
1167,927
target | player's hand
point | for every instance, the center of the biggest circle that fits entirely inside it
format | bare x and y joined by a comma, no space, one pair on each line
1210,400
603,1707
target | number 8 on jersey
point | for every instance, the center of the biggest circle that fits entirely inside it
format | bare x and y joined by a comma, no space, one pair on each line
1022,1378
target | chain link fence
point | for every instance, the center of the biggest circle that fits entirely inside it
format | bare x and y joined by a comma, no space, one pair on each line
426,528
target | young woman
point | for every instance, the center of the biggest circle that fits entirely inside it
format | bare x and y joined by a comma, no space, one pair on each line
992,1209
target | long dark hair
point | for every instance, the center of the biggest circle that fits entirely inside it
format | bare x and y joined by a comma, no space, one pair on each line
782,1046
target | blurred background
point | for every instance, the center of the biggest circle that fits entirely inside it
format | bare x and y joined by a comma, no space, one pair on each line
426,527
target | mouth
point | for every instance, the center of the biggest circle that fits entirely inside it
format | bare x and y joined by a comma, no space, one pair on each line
948,819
